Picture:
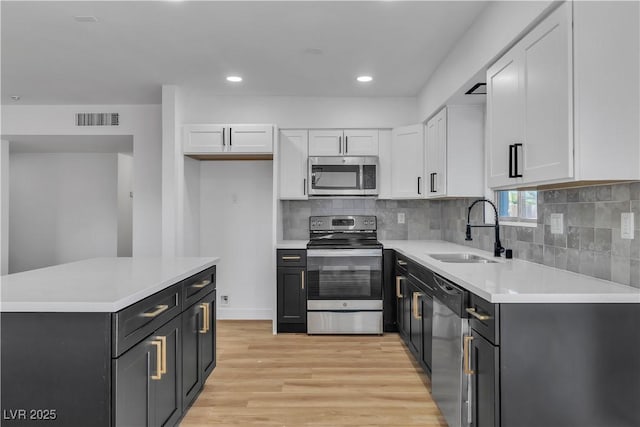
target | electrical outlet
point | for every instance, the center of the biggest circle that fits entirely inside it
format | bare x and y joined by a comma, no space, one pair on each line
627,225
224,300
400,217
557,223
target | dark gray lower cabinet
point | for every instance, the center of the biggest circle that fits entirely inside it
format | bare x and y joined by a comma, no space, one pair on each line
146,382
485,399
198,346
415,319
292,292
426,301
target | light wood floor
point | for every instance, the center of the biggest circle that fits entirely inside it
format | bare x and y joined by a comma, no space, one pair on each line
300,380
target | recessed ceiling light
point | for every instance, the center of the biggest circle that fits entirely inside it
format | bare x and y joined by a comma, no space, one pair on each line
85,18
364,79
15,98
234,79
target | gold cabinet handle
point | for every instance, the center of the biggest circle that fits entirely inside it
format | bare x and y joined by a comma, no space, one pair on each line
291,258
163,365
402,263
474,313
158,345
302,278
466,355
205,318
415,306
398,280
159,309
201,284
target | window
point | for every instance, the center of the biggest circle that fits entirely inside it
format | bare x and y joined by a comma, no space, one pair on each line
518,205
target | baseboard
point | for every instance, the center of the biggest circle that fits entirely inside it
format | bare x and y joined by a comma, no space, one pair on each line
226,313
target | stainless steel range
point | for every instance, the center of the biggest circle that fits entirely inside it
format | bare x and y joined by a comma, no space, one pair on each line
344,275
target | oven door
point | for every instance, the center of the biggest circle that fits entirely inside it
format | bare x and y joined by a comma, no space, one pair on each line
344,274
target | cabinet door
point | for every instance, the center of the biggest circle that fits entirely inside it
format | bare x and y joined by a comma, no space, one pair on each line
202,139
292,295
548,108
505,125
193,327
407,162
384,163
293,166
484,382
427,329
251,139
166,398
325,143
132,384
436,155
208,338
415,337
361,142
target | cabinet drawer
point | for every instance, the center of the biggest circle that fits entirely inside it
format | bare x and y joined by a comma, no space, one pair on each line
292,257
423,277
402,265
135,322
197,286
487,321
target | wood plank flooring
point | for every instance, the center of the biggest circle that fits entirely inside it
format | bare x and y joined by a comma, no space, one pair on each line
320,381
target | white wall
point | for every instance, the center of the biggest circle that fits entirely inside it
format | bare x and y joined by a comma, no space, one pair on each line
4,207
62,208
143,122
291,111
235,213
125,205
499,24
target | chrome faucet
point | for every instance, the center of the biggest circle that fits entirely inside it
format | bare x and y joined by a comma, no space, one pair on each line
497,246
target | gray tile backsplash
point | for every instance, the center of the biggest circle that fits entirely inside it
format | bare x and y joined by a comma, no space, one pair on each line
589,244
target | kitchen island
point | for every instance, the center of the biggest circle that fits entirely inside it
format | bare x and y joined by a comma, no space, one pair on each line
106,341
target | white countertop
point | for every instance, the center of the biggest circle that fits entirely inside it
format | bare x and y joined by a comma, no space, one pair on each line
292,244
94,285
514,281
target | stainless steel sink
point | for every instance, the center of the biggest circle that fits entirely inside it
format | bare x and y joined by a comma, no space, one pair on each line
461,258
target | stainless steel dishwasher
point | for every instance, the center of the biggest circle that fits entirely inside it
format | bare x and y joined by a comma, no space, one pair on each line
449,383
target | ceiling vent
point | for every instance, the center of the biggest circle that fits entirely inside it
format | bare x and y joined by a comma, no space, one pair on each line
477,89
97,119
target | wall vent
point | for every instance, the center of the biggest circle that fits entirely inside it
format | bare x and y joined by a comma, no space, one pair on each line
97,119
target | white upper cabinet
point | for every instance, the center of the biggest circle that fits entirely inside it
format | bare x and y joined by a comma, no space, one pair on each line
384,164
562,104
436,155
348,142
407,162
199,139
454,154
529,106
222,139
292,154
361,142
251,138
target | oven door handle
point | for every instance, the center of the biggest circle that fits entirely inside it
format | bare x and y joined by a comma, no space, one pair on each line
333,253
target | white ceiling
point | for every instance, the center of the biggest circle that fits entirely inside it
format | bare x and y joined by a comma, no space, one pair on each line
70,143
49,58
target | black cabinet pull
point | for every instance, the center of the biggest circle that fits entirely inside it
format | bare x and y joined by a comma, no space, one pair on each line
230,133
346,144
433,182
304,187
419,185
223,141
513,161
339,145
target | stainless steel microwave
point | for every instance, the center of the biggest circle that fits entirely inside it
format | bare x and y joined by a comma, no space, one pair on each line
343,176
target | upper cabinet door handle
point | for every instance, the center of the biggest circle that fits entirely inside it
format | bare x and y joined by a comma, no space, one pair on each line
346,145
339,145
